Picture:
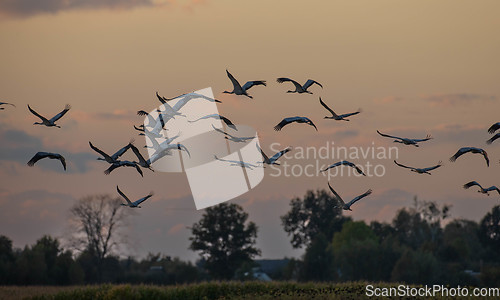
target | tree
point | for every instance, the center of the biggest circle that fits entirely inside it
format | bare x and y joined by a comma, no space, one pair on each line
310,216
97,225
317,264
420,225
223,240
357,252
6,259
489,231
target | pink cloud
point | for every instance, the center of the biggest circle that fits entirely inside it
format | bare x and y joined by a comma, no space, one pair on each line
176,229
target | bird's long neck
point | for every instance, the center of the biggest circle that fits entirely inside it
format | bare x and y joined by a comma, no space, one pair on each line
228,92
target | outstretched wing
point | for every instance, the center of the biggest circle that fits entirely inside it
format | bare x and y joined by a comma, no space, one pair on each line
266,159
138,154
280,154
332,166
37,157
123,195
494,127
283,123
228,122
139,170
236,84
61,114
428,137
162,99
37,114
143,199
311,123
249,84
493,188
62,160
402,165
459,153
327,107
358,169
471,184
104,154
122,151
339,199
486,157
298,86
311,82
140,128
495,137
435,167
389,136
221,131
350,114
359,197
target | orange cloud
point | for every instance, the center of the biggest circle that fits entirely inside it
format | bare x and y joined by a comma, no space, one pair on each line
176,229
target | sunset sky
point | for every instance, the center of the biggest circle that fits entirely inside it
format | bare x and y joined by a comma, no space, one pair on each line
413,67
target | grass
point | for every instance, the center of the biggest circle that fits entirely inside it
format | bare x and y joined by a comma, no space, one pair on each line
209,290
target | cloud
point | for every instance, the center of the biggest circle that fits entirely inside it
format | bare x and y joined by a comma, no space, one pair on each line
456,99
18,146
25,8
176,229
118,114
28,215
386,100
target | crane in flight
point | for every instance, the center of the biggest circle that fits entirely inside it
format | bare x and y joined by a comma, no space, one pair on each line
238,163
111,158
344,163
298,87
274,158
186,97
136,203
42,155
289,120
420,170
217,117
142,162
481,189
406,141
5,103
474,150
51,122
232,137
334,116
242,90
342,204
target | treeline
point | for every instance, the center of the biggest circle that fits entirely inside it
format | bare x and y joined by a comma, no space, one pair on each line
419,246
415,248
46,263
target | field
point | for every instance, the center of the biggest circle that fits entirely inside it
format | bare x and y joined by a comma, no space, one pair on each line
213,290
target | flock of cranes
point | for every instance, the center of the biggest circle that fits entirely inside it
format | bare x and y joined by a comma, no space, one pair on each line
158,122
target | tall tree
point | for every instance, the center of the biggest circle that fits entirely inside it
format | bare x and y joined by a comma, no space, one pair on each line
489,231
6,259
97,227
310,216
223,240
